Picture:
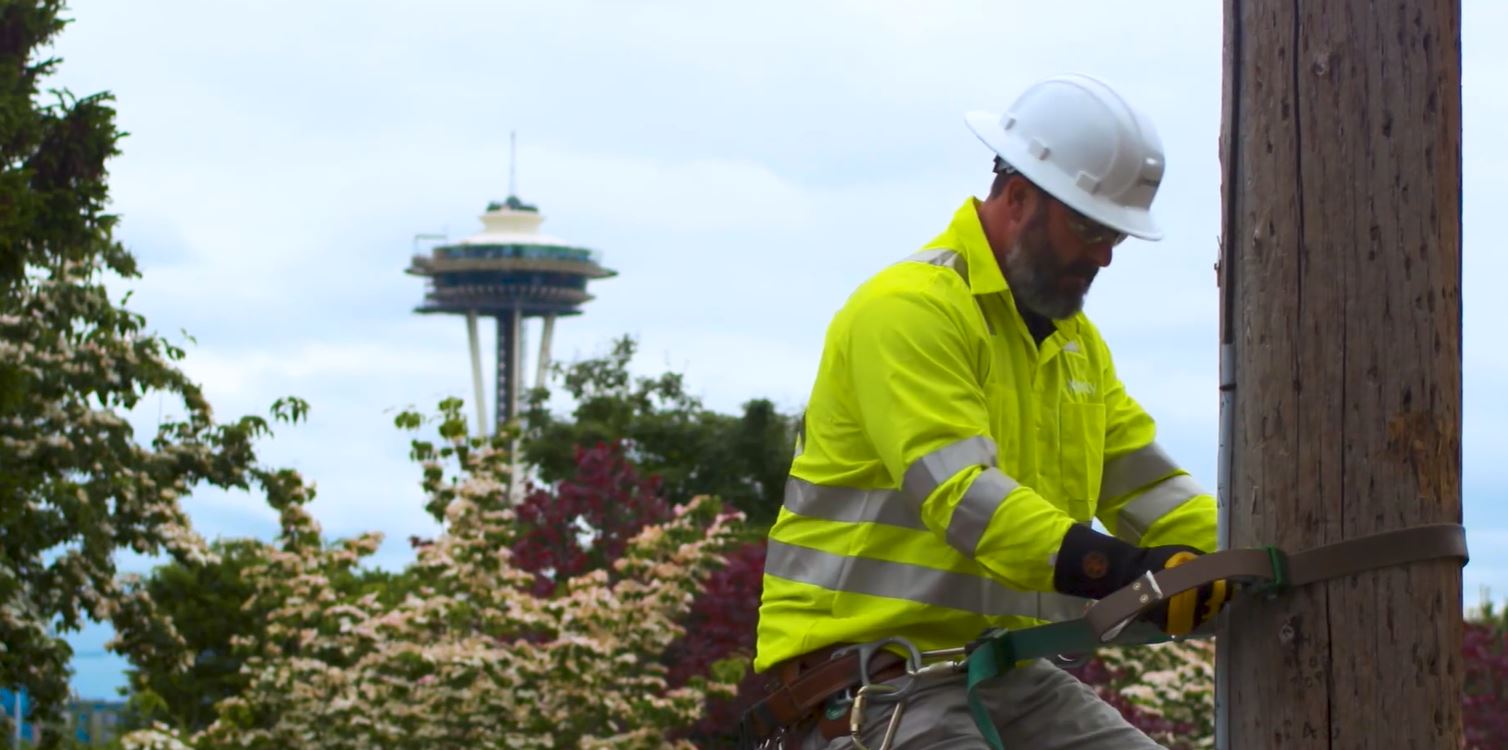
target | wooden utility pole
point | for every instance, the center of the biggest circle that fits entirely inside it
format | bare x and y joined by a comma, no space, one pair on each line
1340,284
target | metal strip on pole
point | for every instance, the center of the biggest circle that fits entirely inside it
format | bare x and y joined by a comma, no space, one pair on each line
1225,274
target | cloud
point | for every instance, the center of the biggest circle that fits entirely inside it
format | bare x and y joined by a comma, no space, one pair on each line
698,195
232,374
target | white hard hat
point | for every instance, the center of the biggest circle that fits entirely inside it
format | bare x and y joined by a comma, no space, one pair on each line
1077,139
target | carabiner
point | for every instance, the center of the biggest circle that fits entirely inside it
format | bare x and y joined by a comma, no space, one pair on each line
856,714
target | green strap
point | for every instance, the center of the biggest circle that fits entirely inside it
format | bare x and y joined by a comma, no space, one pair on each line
998,651
991,658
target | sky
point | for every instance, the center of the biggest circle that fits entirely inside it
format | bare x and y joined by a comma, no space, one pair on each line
743,167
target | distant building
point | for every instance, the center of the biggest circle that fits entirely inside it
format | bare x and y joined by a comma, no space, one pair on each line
89,722
17,705
94,722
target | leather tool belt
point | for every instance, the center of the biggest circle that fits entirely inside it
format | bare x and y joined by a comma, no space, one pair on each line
799,689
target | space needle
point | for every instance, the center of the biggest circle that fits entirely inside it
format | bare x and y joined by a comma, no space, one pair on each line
511,272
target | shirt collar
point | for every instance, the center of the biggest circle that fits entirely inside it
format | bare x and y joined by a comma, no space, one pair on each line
966,235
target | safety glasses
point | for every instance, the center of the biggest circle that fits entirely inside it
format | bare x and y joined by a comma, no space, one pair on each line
1088,230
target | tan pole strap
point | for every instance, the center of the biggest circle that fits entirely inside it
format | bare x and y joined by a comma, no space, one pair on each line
1271,566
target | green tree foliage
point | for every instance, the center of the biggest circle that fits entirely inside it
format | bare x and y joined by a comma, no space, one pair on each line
209,604
668,432
76,483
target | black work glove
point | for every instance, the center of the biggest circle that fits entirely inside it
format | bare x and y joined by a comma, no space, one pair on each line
1094,565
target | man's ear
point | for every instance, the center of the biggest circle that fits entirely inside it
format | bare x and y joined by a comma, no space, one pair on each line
1020,198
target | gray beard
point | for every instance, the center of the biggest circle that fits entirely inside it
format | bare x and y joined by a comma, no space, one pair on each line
1033,277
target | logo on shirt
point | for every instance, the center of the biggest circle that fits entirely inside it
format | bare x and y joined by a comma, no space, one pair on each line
1079,386
1071,346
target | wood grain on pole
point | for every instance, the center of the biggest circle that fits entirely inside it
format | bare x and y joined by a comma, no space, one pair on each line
1340,277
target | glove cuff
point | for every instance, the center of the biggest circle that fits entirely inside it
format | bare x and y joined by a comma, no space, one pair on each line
1094,565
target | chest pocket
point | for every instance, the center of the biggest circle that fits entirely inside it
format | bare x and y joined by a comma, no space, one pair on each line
1082,454
1081,425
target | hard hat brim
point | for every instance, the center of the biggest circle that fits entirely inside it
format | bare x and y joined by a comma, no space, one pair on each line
1135,222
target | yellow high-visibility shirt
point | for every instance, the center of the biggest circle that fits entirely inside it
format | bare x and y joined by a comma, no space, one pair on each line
945,453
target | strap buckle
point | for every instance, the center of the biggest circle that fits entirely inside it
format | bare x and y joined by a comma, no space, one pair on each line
1148,592
1279,582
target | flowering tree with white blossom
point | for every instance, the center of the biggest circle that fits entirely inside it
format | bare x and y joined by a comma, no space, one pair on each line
474,657
1166,690
76,482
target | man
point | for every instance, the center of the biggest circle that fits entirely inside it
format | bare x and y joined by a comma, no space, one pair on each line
965,429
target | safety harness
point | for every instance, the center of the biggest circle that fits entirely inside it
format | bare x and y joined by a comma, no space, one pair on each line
822,692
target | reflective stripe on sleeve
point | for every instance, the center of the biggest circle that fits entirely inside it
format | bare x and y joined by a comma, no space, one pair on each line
893,580
973,513
925,474
852,505
1134,471
1159,500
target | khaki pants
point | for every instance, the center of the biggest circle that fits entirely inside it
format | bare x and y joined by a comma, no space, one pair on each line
1035,707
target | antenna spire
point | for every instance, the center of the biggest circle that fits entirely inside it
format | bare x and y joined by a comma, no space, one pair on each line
513,162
